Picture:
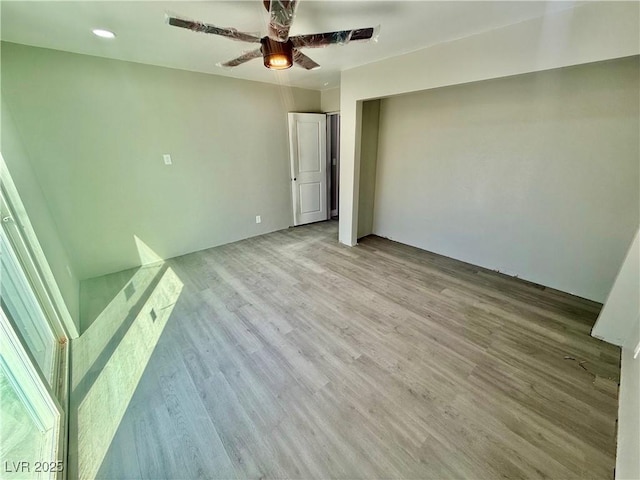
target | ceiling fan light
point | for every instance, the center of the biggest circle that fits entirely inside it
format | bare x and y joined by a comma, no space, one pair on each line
278,62
277,55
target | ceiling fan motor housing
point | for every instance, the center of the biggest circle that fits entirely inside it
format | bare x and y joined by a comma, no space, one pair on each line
277,55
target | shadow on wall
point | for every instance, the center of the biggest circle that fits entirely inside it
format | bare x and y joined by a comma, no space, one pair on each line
121,326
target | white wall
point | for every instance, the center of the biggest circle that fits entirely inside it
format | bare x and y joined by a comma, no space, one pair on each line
330,100
628,453
592,32
621,310
57,255
96,129
619,323
535,175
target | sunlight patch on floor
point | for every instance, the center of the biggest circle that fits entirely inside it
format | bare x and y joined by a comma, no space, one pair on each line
100,412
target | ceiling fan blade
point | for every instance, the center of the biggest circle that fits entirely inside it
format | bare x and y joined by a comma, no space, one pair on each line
206,28
340,37
305,62
281,13
245,57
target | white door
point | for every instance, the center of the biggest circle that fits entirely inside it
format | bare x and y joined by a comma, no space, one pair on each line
308,154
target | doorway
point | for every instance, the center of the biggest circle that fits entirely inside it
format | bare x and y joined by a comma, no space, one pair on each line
314,150
308,153
333,157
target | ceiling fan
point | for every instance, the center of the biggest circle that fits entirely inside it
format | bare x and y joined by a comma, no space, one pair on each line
277,49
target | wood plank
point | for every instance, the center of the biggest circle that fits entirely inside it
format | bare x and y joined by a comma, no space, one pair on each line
289,355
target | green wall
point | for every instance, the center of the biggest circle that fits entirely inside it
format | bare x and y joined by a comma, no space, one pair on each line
24,177
368,164
96,129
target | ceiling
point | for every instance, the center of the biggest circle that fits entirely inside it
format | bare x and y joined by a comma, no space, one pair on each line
144,37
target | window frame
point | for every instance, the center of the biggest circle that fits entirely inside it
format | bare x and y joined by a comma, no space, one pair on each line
32,259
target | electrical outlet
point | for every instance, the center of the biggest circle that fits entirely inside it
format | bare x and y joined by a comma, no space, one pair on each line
167,159
258,219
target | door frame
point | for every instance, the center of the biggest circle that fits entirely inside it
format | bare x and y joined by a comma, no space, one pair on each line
330,186
292,120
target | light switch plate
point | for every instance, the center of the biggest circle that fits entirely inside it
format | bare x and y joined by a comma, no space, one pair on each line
167,159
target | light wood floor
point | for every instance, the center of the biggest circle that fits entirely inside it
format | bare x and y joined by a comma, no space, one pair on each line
291,356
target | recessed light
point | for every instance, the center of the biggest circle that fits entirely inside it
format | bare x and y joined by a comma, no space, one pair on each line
103,33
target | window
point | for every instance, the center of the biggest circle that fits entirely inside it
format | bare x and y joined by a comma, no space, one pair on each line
33,351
